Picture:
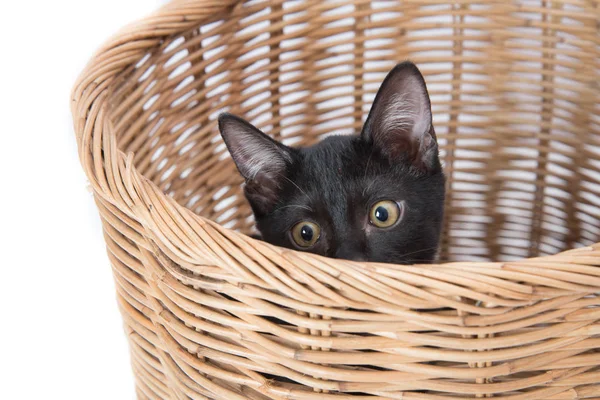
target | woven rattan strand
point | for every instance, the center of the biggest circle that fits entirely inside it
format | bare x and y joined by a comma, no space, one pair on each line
512,309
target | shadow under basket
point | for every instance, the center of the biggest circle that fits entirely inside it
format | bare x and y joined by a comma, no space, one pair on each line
512,312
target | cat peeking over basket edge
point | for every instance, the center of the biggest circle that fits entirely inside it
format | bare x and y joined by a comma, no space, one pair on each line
377,196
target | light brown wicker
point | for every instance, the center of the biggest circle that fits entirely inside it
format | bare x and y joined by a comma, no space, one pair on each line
213,314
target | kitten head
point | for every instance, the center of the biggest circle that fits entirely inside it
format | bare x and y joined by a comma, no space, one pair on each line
374,197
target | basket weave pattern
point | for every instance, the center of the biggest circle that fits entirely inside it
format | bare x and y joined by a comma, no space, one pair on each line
210,313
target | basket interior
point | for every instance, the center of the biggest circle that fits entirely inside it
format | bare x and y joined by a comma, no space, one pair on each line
514,91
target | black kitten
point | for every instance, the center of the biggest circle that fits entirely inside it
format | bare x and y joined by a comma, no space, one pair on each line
375,197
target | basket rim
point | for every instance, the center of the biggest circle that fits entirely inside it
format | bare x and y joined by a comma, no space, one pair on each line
139,198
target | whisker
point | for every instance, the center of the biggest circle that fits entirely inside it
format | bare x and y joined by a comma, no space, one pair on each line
366,189
419,251
295,206
366,170
368,163
299,188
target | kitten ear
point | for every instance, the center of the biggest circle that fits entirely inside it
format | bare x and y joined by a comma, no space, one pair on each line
261,160
400,123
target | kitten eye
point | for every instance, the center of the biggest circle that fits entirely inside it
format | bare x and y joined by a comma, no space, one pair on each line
306,233
384,213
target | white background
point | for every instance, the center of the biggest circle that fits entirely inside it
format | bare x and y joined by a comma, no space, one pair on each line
61,334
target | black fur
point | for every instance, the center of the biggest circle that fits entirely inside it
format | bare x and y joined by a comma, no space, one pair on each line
335,182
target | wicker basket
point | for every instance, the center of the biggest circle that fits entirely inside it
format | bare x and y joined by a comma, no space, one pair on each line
211,313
